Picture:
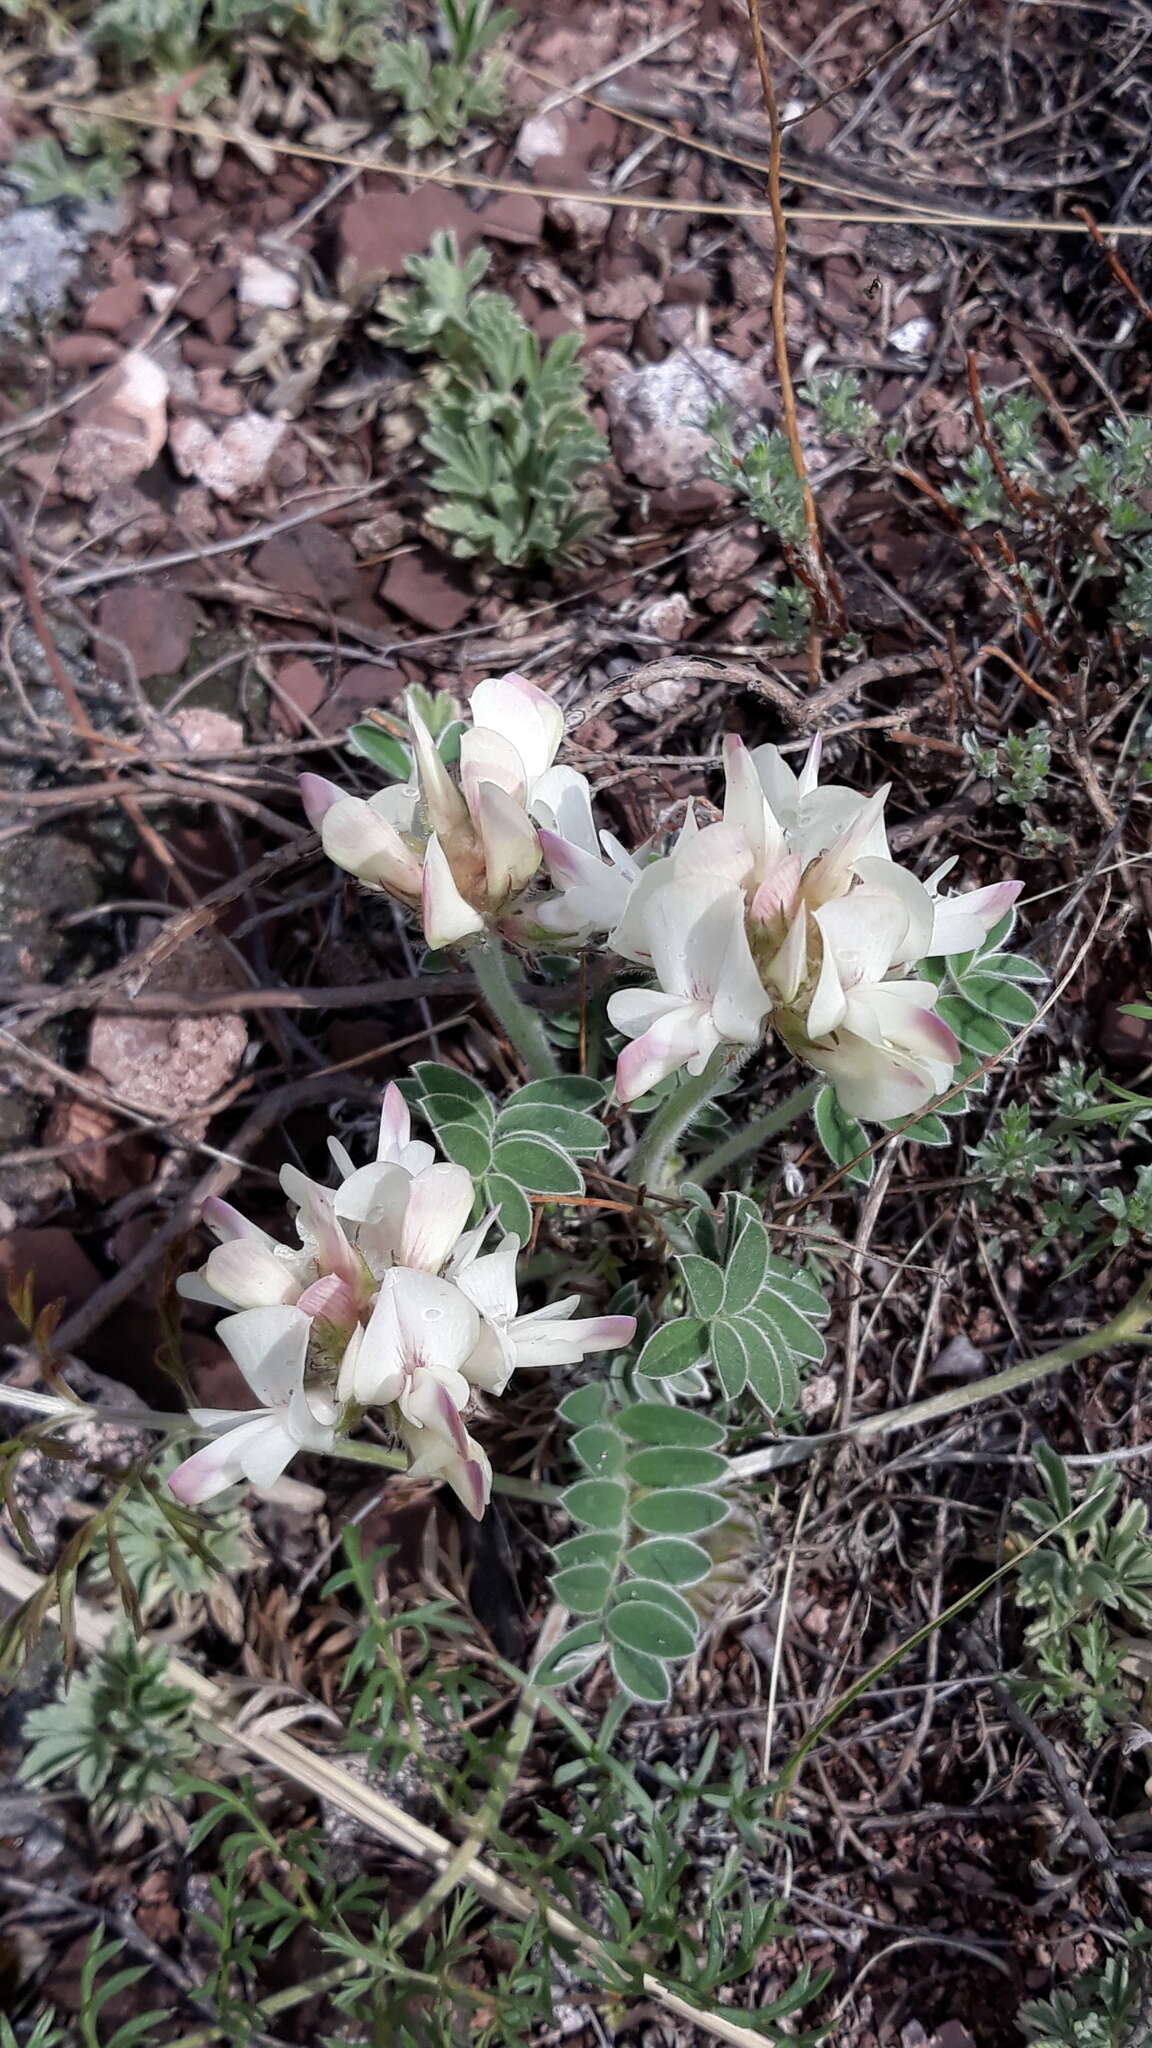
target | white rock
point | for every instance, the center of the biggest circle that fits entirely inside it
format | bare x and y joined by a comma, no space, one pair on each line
232,461
913,337
541,135
657,414
261,284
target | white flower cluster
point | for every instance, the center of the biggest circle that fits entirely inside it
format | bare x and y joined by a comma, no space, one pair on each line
789,913
390,1301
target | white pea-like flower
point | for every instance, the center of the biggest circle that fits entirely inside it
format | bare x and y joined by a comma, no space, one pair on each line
389,1300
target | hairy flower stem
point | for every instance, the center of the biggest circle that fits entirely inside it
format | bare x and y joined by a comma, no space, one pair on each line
520,1024
754,1135
650,1159
61,1413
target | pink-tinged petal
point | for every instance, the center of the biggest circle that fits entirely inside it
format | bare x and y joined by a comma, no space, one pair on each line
194,1287
330,1300
260,1444
358,839
310,1424
491,1362
746,809
550,1337
396,1143
486,756
637,1010
446,915
225,1222
395,1122
510,841
270,1346
780,785
249,1275
443,803
428,1403
872,1082
470,1477
531,721
832,874
562,801
439,1204
567,865
660,1052
900,1014
438,1324
961,923
318,795
318,1227
777,894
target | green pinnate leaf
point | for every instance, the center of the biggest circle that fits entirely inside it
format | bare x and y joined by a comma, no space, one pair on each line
538,1165
583,1588
746,1267
843,1139
435,1079
601,1449
514,1210
655,1422
466,1145
673,1348
676,1465
586,1404
596,1546
645,1678
670,1559
651,1629
601,1503
678,1511
573,1655
730,1357
705,1283
572,1129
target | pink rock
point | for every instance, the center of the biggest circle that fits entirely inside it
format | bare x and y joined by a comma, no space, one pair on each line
156,627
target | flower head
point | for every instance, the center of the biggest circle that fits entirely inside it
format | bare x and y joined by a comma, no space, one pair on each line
388,1301
792,911
462,853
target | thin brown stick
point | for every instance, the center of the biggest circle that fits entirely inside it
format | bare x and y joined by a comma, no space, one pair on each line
1121,275
817,563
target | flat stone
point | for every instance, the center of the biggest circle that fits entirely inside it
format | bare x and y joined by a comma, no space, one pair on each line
382,227
420,586
156,626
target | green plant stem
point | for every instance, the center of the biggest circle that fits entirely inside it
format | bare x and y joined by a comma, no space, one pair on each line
522,1026
355,1452
1129,1327
754,1135
361,1453
672,1119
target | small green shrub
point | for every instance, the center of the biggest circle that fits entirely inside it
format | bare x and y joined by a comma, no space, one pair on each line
508,424
442,98
1101,2009
1098,1565
119,1732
